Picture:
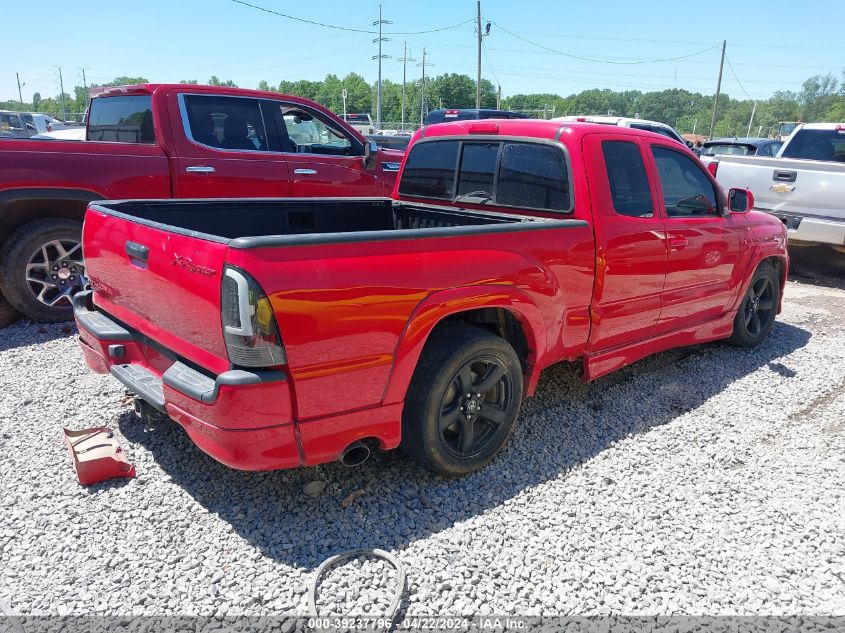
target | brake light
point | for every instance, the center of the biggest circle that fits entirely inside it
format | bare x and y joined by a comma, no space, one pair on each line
452,111
249,324
581,119
712,167
483,127
49,127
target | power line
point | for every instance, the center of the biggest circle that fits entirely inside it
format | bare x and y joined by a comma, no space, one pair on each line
346,28
733,72
489,65
600,61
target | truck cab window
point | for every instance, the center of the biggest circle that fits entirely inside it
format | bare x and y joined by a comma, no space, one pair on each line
309,134
626,174
430,170
687,191
231,123
534,176
478,169
123,119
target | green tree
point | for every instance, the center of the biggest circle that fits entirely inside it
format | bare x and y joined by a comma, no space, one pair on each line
192,82
36,101
214,81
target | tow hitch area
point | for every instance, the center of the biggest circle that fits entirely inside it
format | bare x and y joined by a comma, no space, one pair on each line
96,455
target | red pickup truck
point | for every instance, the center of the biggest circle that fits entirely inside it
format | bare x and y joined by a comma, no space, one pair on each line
289,332
166,141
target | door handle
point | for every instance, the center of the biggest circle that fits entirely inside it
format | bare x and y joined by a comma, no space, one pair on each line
137,253
200,169
305,172
785,175
678,242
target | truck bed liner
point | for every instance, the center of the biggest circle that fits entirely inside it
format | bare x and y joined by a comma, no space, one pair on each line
279,222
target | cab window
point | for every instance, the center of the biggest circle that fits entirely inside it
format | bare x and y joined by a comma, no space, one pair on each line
687,191
121,119
230,123
626,175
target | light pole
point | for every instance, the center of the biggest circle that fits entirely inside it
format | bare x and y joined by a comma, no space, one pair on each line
405,59
343,95
422,90
380,57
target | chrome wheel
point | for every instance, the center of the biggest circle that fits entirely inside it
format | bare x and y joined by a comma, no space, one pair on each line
56,271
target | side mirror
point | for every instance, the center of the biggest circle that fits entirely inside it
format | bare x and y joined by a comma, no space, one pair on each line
740,200
370,154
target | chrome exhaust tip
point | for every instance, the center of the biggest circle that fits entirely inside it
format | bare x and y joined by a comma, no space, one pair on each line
355,454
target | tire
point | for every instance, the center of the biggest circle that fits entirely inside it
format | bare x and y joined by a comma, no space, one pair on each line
756,315
8,314
436,431
33,274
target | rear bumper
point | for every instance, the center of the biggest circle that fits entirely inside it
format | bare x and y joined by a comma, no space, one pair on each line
807,228
242,419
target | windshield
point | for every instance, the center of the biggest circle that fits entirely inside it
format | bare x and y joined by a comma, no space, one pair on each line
727,148
817,145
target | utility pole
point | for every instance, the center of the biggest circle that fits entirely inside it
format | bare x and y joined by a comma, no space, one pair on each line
499,98
405,60
20,94
753,110
422,90
478,74
84,82
380,57
62,88
718,89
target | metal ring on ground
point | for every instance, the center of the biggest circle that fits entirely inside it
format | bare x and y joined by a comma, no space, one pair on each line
355,553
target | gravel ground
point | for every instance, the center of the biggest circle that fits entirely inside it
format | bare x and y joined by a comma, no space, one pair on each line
708,480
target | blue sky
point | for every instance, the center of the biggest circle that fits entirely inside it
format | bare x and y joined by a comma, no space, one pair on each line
772,44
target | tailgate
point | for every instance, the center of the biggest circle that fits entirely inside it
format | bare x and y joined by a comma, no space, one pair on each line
165,285
799,187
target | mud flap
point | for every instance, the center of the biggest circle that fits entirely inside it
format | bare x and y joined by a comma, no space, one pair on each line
97,455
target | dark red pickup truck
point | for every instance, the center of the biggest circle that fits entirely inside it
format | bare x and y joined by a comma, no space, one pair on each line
281,333
166,141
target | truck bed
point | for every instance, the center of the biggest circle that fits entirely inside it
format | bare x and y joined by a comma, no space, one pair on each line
252,223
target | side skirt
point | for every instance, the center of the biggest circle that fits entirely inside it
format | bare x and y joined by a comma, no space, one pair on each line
600,363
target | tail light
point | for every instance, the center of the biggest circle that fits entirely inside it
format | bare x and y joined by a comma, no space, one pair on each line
49,127
249,324
713,167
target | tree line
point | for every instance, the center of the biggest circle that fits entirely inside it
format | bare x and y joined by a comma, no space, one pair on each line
821,98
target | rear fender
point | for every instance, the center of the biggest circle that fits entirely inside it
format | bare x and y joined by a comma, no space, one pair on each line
440,305
21,206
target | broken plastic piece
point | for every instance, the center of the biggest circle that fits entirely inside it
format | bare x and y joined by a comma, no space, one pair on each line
96,455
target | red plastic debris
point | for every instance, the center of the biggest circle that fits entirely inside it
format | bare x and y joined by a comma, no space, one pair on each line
97,455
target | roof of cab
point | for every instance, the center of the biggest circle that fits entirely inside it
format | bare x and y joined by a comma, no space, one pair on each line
528,128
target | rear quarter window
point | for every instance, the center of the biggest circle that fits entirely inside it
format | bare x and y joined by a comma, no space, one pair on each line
123,119
524,175
430,171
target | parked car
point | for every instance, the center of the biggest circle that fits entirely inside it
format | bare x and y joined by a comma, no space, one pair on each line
288,332
391,141
17,124
467,114
363,123
636,124
166,141
804,185
67,134
739,147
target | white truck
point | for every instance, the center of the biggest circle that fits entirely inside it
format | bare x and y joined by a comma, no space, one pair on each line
804,185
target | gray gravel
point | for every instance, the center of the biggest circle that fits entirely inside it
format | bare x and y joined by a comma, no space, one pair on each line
700,481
